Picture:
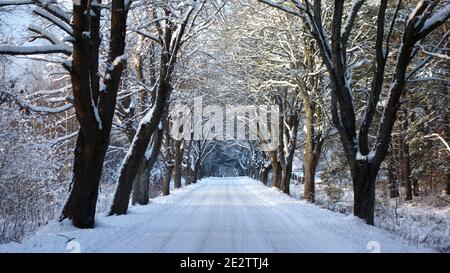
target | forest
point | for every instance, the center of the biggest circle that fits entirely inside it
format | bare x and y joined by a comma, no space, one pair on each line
106,105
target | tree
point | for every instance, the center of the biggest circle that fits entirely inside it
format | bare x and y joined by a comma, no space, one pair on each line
173,26
94,97
364,158
316,127
94,105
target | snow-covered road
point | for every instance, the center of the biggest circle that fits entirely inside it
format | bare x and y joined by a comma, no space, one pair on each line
219,215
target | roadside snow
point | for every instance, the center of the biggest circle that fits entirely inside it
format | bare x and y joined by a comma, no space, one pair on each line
424,222
219,215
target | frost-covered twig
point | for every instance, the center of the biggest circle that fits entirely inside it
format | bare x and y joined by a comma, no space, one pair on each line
63,139
437,136
36,108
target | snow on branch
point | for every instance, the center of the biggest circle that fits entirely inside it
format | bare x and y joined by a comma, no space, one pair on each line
33,50
149,35
435,54
436,20
43,93
53,19
429,57
153,21
356,6
49,6
4,3
424,79
437,136
25,105
45,34
63,139
280,6
56,11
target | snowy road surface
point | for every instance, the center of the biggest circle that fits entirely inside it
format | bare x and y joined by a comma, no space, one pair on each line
219,215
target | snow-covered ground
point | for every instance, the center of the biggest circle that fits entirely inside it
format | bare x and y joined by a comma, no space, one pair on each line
219,215
425,222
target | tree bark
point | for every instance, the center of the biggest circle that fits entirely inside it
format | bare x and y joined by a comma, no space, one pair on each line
392,178
264,173
406,157
188,174
364,191
309,172
447,121
310,163
141,183
195,173
177,165
168,161
276,169
415,182
141,187
89,157
167,177
447,189
287,172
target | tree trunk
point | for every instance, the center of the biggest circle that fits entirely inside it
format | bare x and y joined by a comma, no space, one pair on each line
195,173
406,157
177,166
187,159
255,172
141,182
393,185
135,156
188,174
309,167
276,169
87,169
141,185
167,177
364,191
447,190
415,182
447,121
150,122
415,185
291,141
168,160
264,173
287,171
277,174
286,179
407,175
309,173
